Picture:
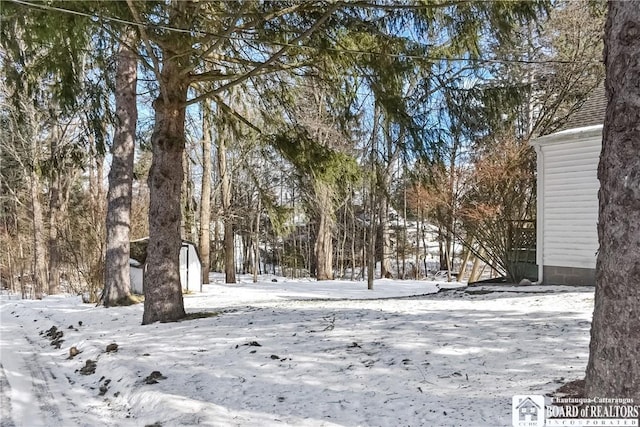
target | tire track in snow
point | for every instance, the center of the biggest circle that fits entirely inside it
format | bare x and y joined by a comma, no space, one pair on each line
44,397
25,383
5,401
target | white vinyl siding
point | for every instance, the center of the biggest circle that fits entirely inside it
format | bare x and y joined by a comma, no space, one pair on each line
569,199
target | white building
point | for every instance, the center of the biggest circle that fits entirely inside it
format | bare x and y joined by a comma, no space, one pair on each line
567,197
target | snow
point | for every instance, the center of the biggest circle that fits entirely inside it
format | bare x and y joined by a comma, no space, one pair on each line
296,352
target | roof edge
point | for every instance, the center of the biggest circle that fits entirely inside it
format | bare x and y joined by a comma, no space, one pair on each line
568,135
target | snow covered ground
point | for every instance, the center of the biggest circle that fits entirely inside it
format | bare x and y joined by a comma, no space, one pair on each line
297,353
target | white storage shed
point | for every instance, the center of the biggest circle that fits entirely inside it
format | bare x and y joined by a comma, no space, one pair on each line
567,197
190,266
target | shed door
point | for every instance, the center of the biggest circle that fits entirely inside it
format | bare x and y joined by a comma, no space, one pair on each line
184,266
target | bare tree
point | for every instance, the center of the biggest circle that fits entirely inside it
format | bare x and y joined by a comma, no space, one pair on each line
56,208
205,196
321,154
20,144
39,251
496,210
224,173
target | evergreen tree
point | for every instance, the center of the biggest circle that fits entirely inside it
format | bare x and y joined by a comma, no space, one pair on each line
117,286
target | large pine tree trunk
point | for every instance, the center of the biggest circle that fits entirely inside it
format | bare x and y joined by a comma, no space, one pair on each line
205,196
118,221
162,289
614,360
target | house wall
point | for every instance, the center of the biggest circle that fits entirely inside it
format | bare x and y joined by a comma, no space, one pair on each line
568,205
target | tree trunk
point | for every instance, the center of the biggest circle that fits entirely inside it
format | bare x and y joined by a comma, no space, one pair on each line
95,252
162,289
217,266
22,272
404,228
117,287
448,258
474,276
39,251
354,237
418,232
225,190
614,359
465,260
188,208
229,252
11,281
256,243
246,239
385,237
384,187
205,196
442,252
54,222
371,254
323,248
371,244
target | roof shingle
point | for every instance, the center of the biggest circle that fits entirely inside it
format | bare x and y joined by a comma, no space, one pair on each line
591,113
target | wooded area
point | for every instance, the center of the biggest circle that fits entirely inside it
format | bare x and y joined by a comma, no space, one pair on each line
294,138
